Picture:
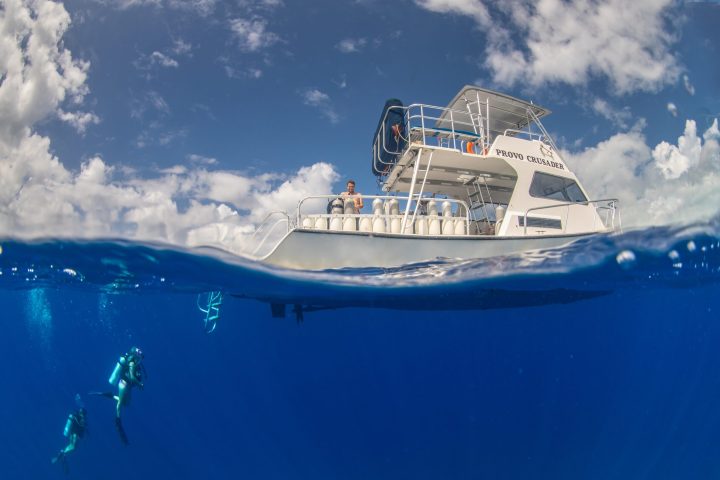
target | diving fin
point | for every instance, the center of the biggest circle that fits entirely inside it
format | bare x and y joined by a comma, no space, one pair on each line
60,457
121,431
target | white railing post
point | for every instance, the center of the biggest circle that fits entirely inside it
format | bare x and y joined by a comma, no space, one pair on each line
412,187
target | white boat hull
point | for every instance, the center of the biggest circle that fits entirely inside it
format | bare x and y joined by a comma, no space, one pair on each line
320,250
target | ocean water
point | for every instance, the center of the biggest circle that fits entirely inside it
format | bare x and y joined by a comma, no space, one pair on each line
600,360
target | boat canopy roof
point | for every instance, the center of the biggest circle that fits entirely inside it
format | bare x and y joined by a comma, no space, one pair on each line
505,112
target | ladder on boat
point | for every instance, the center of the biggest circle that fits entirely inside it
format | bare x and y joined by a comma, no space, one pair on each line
212,301
477,202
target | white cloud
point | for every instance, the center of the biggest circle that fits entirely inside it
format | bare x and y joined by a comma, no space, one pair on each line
151,100
320,100
668,184
181,47
351,45
158,58
124,4
572,41
618,117
254,73
39,196
674,161
79,120
38,73
201,159
253,5
342,82
252,34
688,86
163,60
672,108
471,8
200,7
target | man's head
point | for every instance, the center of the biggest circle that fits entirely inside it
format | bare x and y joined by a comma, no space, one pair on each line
351,186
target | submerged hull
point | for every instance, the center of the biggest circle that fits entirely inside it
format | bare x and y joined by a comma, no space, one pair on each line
319,250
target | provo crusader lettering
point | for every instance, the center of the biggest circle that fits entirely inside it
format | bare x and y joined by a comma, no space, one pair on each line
530,158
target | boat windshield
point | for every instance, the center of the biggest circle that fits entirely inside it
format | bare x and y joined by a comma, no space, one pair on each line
553,187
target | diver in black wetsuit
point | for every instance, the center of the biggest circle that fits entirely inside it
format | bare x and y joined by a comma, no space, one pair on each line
128,373
75,429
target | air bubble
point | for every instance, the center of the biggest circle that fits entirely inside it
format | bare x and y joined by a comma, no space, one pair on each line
70,272
625,259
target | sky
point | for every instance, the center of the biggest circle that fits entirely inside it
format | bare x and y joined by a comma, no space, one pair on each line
187,121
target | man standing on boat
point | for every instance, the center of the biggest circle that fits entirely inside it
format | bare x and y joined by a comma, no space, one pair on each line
357,200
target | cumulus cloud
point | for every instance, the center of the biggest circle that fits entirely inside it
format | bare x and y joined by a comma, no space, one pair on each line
37,73
252,34
572,41
39,196
672,108
665,184
321,101
351,45
675,160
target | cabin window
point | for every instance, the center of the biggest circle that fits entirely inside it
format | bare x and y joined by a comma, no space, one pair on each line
556,188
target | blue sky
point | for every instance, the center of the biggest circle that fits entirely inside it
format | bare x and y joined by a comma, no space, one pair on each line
186,121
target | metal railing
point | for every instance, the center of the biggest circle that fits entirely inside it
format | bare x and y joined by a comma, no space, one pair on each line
611,211
285,218
408,218
468,131
531,135
416,128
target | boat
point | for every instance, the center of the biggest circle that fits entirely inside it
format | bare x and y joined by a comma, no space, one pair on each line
476,179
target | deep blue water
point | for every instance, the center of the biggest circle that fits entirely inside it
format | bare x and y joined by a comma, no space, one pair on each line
597,361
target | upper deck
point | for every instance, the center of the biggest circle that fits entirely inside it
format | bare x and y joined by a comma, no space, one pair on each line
471,122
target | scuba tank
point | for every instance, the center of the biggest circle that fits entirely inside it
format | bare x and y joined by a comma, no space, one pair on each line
69,426
117,371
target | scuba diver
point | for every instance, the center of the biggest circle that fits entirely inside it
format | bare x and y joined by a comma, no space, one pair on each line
75,429
129,372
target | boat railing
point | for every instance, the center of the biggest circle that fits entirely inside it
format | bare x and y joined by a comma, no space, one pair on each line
387,217
266,227
468,131
420,125
464,130
524,133
607,209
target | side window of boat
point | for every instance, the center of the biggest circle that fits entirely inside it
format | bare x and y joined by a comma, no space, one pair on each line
556,188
